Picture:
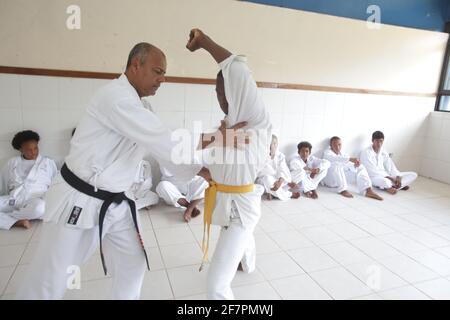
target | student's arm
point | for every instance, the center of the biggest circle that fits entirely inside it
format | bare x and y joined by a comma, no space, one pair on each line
54,168
240,88
324,164
197,40
297,171
333,157
369,163
318,164
389,165
283,170
4,176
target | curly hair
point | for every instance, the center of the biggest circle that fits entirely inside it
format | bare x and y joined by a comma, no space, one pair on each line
304,144
24,136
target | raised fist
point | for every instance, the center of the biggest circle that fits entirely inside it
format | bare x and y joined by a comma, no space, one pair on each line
196,38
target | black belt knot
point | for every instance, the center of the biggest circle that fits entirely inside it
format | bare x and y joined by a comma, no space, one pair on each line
108,199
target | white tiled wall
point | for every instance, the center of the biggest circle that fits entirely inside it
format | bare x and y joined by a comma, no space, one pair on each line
52,106
436,148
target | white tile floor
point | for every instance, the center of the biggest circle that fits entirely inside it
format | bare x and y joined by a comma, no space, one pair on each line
331,248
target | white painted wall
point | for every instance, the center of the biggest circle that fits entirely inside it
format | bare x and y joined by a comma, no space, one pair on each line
283,45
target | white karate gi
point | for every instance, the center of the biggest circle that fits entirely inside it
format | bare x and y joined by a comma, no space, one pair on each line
112,138
143,182
275,169
25,183
380,165
171,189
238,214
302,178
342,172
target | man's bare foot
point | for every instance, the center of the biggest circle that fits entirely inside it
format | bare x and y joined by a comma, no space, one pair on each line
195,213
391,190
346,194
308,194
23,224
406,188
183,202
187,215
373,195
292,185
191,212
314,194
295,195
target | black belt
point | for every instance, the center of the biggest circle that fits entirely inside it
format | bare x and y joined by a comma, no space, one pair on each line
108,198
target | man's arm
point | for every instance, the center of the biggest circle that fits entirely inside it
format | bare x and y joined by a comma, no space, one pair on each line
4,177
226,137
197,40
240,89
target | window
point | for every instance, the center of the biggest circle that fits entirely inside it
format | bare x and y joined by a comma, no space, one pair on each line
443,96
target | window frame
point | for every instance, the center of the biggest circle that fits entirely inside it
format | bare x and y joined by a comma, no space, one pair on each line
445,67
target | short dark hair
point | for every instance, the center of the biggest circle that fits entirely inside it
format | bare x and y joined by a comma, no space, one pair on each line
22,137
377,135
304,144
141,51
334,138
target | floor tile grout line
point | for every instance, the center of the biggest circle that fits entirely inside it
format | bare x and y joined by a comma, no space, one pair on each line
161,255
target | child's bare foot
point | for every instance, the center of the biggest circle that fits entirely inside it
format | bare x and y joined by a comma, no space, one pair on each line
346,194
391,190
295,195
183,202
23,224
371,194
308,194
311,194
191,211
196,212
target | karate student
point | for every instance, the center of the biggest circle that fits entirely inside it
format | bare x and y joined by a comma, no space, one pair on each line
141,189
307,170
233,201
182,194
86,204
382,170
276,176
25,180
345,169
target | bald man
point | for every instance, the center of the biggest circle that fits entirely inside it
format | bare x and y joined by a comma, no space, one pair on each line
87,206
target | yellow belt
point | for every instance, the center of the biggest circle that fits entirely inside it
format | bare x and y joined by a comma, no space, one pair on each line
210,201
